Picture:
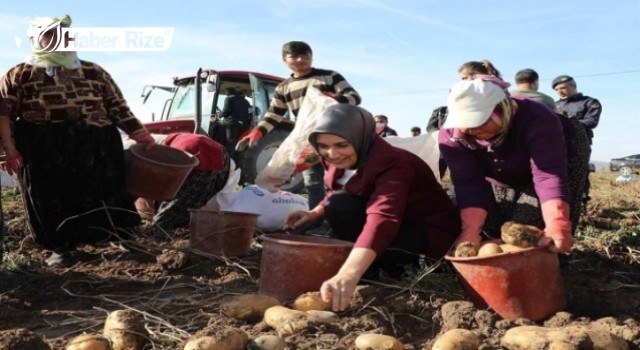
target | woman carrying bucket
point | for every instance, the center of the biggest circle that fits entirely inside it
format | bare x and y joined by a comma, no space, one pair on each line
510,160
68,151
385,199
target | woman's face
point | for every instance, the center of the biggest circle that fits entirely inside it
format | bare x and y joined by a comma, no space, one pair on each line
336,150
486,131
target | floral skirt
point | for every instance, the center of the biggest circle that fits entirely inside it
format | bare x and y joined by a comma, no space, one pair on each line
73,183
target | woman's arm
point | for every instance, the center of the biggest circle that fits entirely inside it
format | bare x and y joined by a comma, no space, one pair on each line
339,289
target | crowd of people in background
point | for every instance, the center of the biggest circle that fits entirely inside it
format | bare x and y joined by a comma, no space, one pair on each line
513,155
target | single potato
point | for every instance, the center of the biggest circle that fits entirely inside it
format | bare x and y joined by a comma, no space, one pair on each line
457,339
489,248
508,248
318,316
247,307
372,341
89,342
286,321
267,342
465,250
520,235
311,301
125,329
227,339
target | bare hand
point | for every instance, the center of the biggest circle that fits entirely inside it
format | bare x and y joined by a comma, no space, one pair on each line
298,218
13,164
144,138
338,291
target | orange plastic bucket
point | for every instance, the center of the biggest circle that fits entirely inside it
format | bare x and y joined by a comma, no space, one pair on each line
157,173
522,284
222,233
293,265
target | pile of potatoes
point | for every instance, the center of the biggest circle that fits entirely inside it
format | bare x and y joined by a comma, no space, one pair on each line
515,237
124,329
307,310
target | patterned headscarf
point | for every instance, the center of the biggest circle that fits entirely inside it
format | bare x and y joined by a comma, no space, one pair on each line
354,124
51,60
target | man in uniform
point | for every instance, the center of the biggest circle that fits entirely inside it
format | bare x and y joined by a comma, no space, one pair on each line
573,104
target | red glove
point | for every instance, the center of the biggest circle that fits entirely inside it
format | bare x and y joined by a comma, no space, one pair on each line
557,231
12,165
307,158
144,138
472,222
330,94
249,140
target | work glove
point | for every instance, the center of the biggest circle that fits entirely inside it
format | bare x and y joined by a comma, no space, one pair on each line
144,138
472,222
250,140
330,94
308,158
557,231
13,164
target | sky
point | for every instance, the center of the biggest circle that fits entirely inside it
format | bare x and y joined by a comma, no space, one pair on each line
401,56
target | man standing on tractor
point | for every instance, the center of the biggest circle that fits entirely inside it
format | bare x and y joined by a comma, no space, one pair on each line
237,118
289,94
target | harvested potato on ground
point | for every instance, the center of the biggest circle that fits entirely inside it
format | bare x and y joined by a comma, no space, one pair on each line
536,337
489,248
322,316
267,342
89,342
125,329
508,248
248,307
226,339
311,301
465,250
520,235
377,342
285,320
457,339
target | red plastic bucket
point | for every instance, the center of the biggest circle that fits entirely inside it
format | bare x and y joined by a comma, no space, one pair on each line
522,284
157,173
293,265
222,233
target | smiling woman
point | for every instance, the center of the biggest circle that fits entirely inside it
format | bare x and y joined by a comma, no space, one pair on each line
385,199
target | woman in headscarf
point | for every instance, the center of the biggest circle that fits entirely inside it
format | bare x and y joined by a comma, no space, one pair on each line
511,160
66,113
385,199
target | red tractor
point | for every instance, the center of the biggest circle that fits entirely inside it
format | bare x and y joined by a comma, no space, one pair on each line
207,90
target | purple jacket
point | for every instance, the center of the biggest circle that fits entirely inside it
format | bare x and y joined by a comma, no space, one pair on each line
534,150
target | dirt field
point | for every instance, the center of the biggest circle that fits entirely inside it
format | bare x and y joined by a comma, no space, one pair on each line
178,293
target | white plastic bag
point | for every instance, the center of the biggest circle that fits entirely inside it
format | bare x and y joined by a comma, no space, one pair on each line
273,208
282,163
424,146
